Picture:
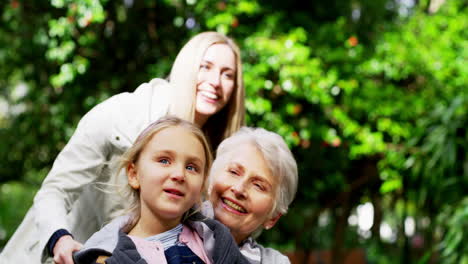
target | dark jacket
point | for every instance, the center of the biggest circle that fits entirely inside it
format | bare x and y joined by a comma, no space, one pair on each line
111,241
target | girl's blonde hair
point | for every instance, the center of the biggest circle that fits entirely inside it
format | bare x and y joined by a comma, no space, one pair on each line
133,153
184,77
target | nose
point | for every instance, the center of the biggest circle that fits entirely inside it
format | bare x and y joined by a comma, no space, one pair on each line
178,174
239,190
214,78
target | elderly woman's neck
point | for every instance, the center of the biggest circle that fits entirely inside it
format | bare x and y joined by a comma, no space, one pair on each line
238,238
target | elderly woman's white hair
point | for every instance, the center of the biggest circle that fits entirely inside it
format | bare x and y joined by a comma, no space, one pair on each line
277,155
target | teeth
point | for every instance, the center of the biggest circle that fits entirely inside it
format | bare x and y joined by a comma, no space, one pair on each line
234,206
209,94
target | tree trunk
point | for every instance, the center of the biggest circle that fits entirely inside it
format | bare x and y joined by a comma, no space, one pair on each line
340,229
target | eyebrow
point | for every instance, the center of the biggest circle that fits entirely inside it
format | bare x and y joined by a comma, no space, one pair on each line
264,180
223,68
196,159
255,175
191,158
237,165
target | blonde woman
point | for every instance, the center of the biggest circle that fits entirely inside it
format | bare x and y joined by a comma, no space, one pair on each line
205,87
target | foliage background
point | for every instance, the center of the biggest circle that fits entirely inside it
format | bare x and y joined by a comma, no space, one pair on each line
371,95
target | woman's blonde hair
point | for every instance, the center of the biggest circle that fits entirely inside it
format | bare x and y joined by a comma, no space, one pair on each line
184,77
133,154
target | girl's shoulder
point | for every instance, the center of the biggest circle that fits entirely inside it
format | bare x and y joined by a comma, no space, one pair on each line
107,237
104,241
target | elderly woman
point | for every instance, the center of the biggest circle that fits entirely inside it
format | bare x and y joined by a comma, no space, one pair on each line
252,182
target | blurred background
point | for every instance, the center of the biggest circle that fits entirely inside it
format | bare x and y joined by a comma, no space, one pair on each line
371,95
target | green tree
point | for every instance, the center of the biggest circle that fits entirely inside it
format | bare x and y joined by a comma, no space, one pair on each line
370,95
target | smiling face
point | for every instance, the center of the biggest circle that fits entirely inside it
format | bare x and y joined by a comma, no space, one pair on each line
243,192
169,175
216,81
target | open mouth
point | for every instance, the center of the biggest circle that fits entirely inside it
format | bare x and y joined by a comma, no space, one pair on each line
209,95
174,192
234,206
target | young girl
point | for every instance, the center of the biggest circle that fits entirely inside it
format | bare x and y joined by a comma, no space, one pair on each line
205,87
167,168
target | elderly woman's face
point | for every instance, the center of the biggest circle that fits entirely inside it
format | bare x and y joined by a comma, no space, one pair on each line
243,192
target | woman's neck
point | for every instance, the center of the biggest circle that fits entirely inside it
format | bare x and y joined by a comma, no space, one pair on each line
238,237
200,120
149,225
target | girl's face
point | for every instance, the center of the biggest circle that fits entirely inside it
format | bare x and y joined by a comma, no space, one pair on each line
169,175
243,192
216,81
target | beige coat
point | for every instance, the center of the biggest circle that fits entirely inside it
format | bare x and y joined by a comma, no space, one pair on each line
69,197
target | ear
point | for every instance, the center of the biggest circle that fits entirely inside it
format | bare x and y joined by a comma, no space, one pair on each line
209,189
272,221
132,176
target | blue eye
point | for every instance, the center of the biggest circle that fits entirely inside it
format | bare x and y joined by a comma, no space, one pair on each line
163,161
192,168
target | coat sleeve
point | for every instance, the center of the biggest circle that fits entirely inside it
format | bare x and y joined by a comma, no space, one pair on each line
77,165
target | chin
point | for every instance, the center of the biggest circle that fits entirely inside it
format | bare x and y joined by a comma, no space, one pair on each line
225,219
173,214
207,111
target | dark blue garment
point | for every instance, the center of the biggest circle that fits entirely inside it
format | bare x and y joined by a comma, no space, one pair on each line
54,238
181,254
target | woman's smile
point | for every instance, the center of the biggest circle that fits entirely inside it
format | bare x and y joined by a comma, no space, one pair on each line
233,207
